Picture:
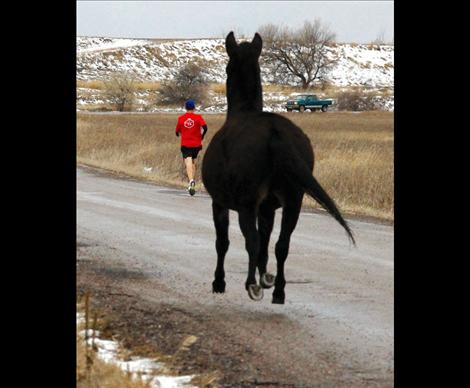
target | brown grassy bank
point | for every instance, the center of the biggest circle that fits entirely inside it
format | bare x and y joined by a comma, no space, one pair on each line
353,152
99,374
91,371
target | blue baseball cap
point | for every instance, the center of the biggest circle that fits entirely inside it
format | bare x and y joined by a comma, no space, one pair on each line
189,104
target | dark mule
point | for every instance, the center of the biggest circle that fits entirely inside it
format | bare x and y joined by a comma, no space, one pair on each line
256,163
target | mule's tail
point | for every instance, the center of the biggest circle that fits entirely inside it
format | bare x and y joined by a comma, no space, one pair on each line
288,162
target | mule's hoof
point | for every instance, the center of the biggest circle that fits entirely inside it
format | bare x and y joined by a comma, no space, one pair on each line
279,297
267,280
255,292
218,287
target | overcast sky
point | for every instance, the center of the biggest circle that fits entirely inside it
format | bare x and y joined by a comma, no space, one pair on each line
352,21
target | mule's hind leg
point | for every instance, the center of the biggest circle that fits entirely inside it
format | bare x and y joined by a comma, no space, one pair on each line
221,221
247,221
265,226
290,216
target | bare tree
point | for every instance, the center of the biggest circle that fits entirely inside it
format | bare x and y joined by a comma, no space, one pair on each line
380,39
298,55
238,32
189,82
120,90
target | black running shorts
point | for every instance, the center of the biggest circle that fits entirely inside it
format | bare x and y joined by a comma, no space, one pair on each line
190,151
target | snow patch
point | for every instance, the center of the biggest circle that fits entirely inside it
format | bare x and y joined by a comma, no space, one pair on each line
108,351
88,45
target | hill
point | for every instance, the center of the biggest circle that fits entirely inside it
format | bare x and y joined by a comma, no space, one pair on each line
369,67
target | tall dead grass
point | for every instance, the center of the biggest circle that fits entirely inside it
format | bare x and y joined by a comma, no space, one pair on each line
100,374
354,160
90,84
91,371
218,88
100,85
353,153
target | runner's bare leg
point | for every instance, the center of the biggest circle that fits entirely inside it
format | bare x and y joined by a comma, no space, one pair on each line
189,168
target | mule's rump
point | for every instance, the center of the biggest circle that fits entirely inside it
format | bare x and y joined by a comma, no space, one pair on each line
245,158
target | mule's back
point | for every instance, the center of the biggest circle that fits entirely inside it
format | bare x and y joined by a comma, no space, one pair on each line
240,164
236,163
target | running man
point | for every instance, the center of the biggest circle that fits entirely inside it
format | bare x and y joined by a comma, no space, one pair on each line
192,128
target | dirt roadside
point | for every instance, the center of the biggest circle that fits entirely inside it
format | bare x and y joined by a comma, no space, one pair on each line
245,350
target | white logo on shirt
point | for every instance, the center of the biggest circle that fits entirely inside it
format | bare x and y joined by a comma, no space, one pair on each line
189,123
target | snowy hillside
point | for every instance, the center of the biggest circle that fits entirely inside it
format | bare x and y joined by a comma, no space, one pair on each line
366,66
359,65
147,60
363,65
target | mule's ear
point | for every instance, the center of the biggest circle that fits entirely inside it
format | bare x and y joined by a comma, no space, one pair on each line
230,44
257,44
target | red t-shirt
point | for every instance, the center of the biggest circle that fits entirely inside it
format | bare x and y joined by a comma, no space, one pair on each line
189,125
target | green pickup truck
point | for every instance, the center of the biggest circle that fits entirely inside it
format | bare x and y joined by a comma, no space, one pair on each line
308,101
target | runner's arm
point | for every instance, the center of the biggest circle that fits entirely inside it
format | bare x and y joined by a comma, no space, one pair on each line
204,128
178,129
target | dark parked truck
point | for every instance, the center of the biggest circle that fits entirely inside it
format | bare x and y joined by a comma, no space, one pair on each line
308,101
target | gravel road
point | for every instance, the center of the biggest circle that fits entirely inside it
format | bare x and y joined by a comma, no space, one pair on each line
335,329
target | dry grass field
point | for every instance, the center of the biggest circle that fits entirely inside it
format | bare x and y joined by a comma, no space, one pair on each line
353,153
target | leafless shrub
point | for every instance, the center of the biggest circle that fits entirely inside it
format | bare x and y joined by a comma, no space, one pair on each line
238,32
120,90
380,39
356,100
190,82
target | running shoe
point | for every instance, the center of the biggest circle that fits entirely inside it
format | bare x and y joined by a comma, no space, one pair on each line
191,186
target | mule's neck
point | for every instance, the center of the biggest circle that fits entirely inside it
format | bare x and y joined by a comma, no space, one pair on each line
244,96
